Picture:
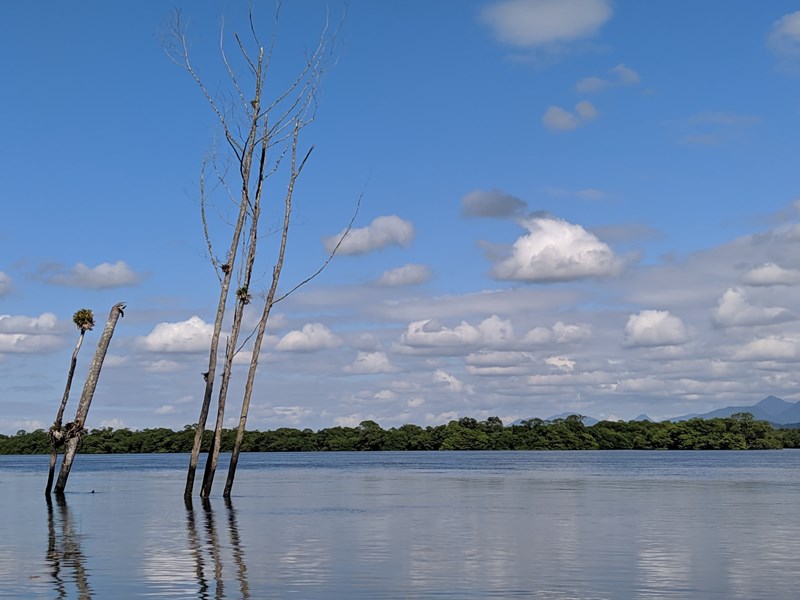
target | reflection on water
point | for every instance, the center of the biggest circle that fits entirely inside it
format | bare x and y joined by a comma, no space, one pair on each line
206,550
64,552
386,526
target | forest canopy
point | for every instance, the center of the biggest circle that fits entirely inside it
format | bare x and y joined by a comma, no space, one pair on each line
738,432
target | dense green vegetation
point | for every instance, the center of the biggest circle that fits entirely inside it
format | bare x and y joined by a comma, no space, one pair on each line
739,432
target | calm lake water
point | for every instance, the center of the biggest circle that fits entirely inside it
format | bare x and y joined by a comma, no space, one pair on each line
579,525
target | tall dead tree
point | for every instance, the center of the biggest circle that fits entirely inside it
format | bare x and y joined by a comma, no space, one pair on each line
259,133
74,431
84,321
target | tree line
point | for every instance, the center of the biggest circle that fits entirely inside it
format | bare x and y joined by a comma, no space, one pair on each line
738,432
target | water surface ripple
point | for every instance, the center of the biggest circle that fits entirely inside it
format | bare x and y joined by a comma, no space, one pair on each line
551,525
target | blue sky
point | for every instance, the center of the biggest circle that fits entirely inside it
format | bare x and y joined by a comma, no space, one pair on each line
574,205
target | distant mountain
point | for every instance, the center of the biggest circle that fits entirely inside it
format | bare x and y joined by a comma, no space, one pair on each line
772,409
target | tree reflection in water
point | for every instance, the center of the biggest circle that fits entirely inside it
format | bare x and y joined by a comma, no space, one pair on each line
207,550
64,553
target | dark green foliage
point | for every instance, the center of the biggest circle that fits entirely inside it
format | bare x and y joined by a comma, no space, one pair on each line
738,432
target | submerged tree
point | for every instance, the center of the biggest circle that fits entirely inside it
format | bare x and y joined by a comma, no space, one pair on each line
84,321
260,133
73,433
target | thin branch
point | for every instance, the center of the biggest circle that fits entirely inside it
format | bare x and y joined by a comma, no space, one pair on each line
228,68
330,256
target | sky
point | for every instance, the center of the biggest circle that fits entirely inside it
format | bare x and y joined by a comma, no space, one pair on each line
567,206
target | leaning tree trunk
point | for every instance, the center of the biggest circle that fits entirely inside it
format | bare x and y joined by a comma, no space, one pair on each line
56,435
74,432
262,324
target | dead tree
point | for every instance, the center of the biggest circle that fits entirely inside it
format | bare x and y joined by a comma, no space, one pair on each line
84,321
254,129
74,431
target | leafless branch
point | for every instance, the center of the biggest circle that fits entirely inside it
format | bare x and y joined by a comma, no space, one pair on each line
330,256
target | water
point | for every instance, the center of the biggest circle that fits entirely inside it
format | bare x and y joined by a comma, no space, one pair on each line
564,525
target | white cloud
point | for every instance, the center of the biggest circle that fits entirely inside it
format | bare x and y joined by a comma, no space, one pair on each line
533,23
586,110
561,362
405,275
113,423
769,348
166,409
771,274
292,415
430,333
560,119
620,76
655,328
733,309
44,323
556,250
161,366
784,37
451,382
192,335
20,343
564,332
415,402
370,362
5,284
103,276
313,336
29,335
383,231
491,203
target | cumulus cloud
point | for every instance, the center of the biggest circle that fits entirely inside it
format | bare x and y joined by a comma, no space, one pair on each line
430,333
161,366
783,39
559,119
733,310
313,336
620,76
560,333
405,275
561,362
103,276
415,402
451,382
5,284
383,231
771,274
20,343
555,250
46,322
586,110
491,203
370,362
769,348
655,328
166,409
29,335
536,23
192,335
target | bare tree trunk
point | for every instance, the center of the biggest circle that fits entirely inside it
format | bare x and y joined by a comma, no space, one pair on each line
56,435
262,324
251,126
74,433
209,375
